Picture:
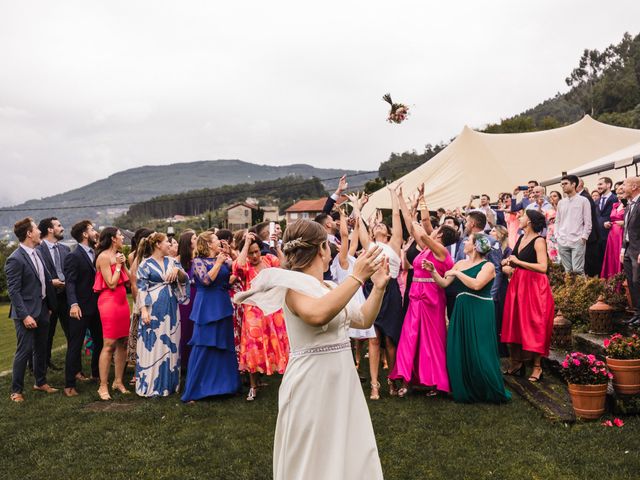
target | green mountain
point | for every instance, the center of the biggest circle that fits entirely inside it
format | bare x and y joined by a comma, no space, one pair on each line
114,194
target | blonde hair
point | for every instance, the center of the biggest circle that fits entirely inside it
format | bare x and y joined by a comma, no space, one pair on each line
502,235
147,245
301,243
202,244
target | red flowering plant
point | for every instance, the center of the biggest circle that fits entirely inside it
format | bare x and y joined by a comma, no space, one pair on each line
623,348
399,111
581,369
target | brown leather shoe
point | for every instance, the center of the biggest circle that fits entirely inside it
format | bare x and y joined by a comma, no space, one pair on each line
45,388
70,392
17,397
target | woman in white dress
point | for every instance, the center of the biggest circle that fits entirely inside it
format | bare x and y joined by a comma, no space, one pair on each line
324,430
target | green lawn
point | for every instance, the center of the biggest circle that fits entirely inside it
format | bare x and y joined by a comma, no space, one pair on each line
8,339
55,437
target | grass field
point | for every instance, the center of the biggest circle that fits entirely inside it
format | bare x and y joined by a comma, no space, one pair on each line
418,438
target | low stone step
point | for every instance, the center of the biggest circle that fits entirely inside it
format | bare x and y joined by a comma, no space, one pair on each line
590,343
549,396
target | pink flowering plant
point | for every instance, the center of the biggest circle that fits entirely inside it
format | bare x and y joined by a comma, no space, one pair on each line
581,369
623,348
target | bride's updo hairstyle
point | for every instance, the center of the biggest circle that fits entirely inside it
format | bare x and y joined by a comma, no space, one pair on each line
302,242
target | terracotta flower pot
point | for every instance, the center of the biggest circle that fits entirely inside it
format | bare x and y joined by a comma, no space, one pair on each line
588,400
626,375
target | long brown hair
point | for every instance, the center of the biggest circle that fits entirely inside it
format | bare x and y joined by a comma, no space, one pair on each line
302,242
147,245
185,252
105,240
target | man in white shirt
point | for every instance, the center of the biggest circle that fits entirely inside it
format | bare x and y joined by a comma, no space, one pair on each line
573,226
540,202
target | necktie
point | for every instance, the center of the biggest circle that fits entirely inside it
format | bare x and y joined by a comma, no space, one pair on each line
40,270
56,262
91,254
626,220
602,200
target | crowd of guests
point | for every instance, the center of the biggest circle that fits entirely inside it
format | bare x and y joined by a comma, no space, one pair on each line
466,287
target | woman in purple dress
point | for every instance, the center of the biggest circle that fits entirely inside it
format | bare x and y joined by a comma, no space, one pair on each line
186,247
422,358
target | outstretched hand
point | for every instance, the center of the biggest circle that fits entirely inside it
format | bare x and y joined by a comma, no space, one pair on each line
368,263
381,277
428,266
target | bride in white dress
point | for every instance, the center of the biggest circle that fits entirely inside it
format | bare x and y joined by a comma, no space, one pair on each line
324,429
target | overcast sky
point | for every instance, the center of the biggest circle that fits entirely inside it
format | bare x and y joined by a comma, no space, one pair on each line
91,88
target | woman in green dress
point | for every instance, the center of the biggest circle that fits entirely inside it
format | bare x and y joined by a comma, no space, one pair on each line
472,348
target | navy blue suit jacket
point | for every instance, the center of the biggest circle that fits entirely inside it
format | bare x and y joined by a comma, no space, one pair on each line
50,266
604,214
24,287
80,274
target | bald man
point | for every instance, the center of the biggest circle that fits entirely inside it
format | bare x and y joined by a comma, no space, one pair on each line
631,244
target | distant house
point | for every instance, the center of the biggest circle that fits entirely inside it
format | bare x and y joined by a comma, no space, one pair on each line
240,215
308,209
176,219
271,214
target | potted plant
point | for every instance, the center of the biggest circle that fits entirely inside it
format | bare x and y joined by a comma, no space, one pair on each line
588,378
623,359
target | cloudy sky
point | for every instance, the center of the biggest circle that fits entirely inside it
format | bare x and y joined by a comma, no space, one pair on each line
91,88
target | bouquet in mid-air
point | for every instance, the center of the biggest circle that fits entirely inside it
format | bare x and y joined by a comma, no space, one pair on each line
399,111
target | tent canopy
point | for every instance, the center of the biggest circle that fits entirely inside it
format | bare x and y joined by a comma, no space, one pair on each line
476,163
607,165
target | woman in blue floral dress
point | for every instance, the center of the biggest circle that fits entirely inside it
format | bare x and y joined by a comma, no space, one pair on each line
162,284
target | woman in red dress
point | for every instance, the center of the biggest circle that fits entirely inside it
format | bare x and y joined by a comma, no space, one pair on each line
113,305
264,344
529,306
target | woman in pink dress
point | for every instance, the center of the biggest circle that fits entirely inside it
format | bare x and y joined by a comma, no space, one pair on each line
421,358
113,305
611,264
511,218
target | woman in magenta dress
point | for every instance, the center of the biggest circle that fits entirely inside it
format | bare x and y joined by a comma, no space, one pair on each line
421,358
113,305
529,308
611,264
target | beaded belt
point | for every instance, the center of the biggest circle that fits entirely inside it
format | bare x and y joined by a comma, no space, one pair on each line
332,348
475,296
423,280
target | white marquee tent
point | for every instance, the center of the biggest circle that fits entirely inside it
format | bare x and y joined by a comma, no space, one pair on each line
477,163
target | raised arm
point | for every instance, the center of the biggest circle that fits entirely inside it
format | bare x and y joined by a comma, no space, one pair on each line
425,241
344,235
396,226
104,266
241,259
320,311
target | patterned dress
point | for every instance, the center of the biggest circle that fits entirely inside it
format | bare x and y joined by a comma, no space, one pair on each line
158,358
264,344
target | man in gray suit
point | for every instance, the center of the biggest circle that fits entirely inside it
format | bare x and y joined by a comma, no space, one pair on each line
30,289
631,244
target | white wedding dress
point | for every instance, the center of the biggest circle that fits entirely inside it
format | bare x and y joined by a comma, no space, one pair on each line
324,429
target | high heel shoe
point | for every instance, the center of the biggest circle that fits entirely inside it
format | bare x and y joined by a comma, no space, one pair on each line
516,372
393,391
375,387
253,393
402,392
120,387
533,378
104,394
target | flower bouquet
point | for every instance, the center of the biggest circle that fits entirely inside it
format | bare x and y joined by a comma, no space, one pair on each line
399,111
623,359
588,378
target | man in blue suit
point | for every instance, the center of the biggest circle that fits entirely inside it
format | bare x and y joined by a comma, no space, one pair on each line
53,253
30,291
603,214
80,273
